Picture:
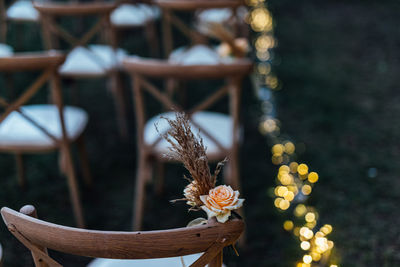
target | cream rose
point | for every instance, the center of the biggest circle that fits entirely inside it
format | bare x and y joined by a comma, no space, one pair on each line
220,201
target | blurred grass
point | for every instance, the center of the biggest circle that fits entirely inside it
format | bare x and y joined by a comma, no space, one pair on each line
339,65
338,62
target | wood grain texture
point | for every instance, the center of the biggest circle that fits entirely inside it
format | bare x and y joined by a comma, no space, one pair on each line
31,61
165,69
125,245
198,4
73,8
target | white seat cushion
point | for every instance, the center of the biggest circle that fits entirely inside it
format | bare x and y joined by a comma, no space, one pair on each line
216,124
6,50
215,15
134,15
220,15
195,55
16,131
161,262
23,10
94,60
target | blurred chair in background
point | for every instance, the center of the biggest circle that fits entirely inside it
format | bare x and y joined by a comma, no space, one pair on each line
220,132
86,60
18,11
198,246
38,128
205,15
138,15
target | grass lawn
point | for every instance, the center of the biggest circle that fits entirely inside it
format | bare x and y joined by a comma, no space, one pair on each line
338,64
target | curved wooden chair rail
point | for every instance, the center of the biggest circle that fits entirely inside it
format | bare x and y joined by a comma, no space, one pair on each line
165,69
31,61
38,235
197,4
73,9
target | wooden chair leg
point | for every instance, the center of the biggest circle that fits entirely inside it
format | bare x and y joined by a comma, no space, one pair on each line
217,261
160,172
84,160
152,39
73,188
139,197
120,105
20,170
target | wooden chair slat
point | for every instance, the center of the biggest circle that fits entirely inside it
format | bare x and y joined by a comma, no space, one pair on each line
210,100
73,9
28,93
31,61
125,245
198,4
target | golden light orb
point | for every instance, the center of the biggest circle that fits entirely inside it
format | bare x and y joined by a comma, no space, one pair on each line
305,245
307,259
313,177
277,201
293,167
261,20
296,231
288,225
306,189
312,224
264,42
309,234
284,169
315,256
300,210
288,195
302,169
286,179
271,81
289,148
326,229
284,204
281,190
309,217
277,149
276,159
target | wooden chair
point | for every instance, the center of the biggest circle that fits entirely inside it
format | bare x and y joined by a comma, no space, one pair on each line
137,15
86,60
195,36
220,132
42,128
38,236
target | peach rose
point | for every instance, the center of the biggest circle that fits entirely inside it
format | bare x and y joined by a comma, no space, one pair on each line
220,201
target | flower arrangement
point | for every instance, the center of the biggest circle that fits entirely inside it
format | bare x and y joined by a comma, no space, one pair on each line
201,192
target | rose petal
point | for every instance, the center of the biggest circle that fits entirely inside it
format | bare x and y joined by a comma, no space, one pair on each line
237,205
210,213
223,217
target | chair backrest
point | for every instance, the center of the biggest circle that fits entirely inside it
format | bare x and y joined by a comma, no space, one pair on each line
50,12
170,20
141,70
38,236
3,21
48,64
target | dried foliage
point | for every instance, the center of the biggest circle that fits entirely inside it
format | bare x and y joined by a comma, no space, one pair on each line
190,150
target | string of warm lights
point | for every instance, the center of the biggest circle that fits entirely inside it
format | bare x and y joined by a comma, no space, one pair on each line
295,182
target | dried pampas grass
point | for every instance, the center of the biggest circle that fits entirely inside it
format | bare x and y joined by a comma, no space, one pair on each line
190,150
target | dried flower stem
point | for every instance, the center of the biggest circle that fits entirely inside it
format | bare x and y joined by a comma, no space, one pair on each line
190,150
